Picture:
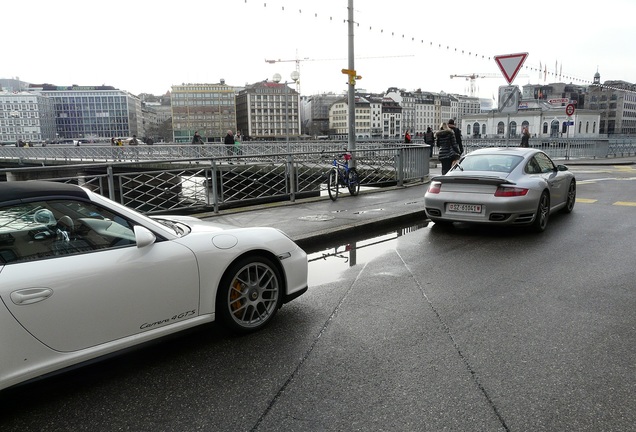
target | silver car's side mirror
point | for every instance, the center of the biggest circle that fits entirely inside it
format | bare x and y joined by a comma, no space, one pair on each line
143,236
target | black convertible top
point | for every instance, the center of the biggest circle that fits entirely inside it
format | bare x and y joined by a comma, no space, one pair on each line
12,191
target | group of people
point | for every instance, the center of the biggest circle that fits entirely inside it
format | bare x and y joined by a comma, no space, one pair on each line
449,140
231,141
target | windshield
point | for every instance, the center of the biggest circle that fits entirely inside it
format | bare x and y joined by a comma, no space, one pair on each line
179,228
490,162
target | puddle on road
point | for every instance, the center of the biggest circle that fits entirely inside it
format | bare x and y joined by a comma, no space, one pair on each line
327,264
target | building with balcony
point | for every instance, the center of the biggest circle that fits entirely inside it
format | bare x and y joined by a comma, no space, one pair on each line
407,101
424,113
392,127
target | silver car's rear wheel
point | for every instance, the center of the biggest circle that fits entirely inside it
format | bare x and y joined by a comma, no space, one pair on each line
249,294
569,204
543,213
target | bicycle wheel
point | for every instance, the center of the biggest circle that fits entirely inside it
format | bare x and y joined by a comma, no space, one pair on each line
332,184
353,183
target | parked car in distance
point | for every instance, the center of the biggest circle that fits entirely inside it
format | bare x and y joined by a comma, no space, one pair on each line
63,141
82,276
502,186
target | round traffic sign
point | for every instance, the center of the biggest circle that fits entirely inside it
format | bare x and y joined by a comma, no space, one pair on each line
569,109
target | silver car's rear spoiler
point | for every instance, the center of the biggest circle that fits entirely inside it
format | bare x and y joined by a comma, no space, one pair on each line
488,180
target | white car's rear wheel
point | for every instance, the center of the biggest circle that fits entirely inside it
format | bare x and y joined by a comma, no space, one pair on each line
249,294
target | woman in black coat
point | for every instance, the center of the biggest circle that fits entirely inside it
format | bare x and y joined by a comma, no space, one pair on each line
448,149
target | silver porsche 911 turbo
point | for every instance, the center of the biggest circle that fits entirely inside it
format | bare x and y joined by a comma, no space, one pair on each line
82,277
503,186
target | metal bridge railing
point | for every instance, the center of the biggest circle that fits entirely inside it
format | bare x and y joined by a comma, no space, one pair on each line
163,178
564,148
158,184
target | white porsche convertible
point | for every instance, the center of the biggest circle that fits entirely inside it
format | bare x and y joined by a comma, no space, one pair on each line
82,276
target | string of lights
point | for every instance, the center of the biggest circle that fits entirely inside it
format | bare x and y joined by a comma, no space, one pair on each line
541,69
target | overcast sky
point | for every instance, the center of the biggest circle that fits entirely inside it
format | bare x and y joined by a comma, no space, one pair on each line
148,46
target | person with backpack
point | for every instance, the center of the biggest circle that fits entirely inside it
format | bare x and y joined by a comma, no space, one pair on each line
448,149
458,135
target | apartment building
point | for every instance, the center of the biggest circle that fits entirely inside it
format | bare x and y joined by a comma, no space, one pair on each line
268,110
339,118
27,117
93,111
209,109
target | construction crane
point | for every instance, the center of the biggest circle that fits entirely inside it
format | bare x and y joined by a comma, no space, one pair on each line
473,78
297,60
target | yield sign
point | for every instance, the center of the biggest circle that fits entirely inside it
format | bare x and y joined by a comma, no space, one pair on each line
510,64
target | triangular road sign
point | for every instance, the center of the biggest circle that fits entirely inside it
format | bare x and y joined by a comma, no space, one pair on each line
510,64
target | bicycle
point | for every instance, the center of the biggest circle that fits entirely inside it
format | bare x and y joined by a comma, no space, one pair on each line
341,176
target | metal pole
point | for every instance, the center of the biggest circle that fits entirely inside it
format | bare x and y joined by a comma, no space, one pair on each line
508,130
351,95
111,182
287,117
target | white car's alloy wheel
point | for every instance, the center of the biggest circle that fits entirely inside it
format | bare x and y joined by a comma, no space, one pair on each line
249,295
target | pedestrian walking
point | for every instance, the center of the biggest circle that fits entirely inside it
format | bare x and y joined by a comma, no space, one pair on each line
458,135
525,138
448,149
407,137
196,139
134,143
229,143
429,138
237,144
119,152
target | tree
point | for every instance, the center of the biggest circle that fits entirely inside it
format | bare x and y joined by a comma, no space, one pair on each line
162,132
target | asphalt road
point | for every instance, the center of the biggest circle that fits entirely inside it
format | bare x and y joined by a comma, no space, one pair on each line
468,329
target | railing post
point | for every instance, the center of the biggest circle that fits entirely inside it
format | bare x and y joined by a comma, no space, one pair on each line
111,182
400,167
291,178
215,195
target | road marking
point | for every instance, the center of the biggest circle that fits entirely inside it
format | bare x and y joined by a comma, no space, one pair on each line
586,200
606,179
625,203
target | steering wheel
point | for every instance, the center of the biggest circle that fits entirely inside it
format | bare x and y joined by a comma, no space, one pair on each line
44,217
66,223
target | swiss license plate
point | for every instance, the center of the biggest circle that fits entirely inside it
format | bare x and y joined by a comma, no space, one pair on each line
464,208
